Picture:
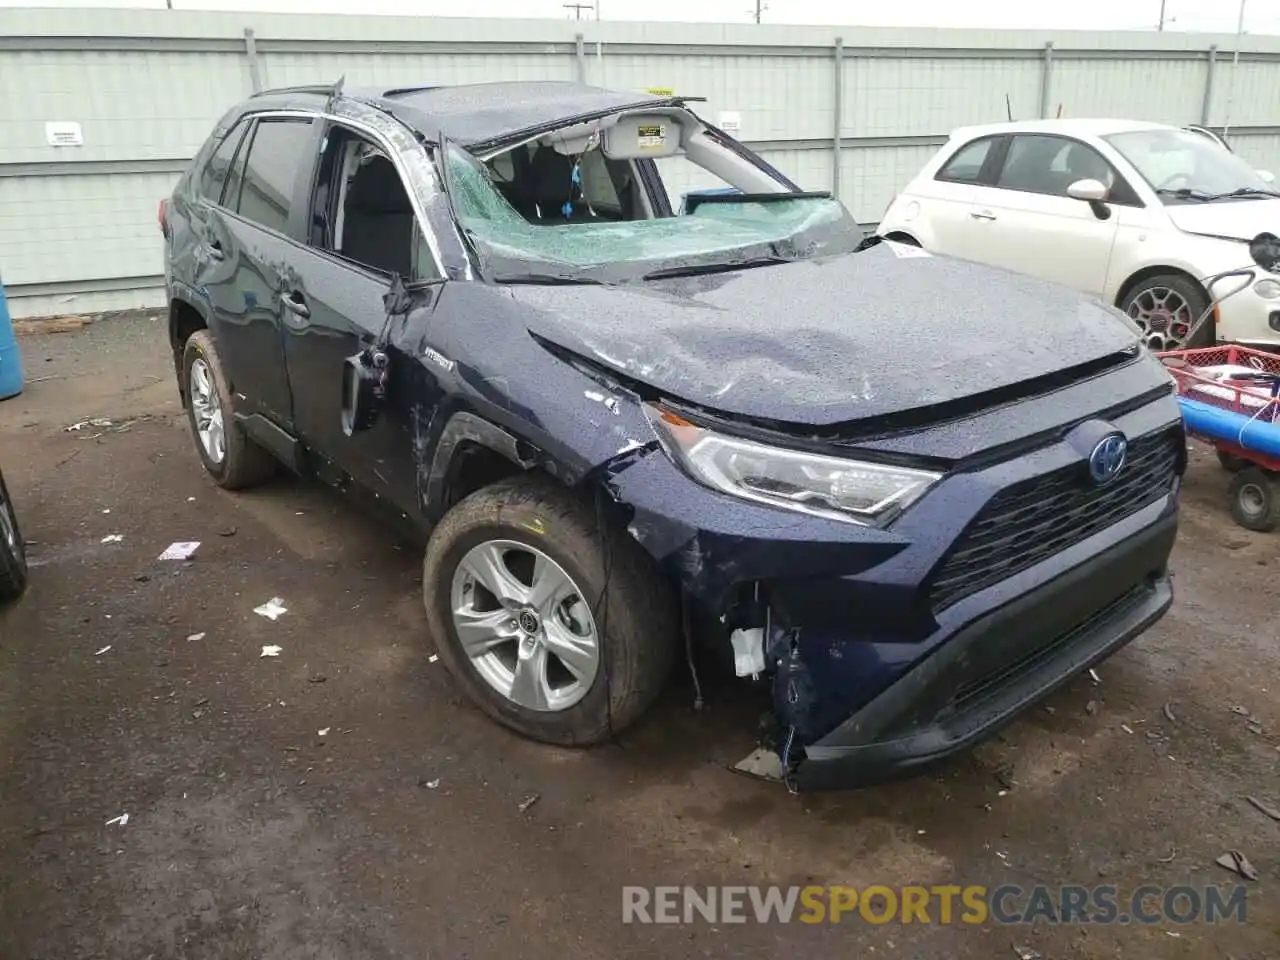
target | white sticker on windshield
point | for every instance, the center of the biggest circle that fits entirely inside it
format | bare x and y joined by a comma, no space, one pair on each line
906,250
651,136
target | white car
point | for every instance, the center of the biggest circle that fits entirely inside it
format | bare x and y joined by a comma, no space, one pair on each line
1134,213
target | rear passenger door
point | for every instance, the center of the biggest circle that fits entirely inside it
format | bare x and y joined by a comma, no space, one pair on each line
249,235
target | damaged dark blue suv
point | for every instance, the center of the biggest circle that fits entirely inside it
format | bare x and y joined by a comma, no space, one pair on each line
641,390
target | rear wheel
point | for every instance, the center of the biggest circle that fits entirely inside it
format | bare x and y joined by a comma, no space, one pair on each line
560,630
1255,501
230,457
13,554
1166,307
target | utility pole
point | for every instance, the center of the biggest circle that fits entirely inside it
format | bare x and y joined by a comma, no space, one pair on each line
577,9
1160,25
761,7
1235,69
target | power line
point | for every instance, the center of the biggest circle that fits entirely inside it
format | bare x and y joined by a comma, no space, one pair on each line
577,8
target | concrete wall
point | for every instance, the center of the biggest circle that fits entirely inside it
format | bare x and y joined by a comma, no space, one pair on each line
79,233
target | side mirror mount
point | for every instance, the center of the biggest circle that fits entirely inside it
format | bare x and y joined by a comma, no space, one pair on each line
1266,176
1265,250
364,390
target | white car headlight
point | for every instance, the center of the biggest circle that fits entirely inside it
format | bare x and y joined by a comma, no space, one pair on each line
856,491
1267,288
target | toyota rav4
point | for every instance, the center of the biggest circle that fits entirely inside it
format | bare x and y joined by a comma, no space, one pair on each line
641,393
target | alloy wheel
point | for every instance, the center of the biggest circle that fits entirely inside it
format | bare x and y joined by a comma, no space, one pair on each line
1165,317
207,408
9,526
524,625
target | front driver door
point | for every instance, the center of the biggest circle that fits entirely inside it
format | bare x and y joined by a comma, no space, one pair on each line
361,232
1027,223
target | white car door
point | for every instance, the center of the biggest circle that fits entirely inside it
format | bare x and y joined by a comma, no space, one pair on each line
1028,223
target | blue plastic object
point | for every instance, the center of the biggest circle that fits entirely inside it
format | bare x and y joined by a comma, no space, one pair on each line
10,359
1219,424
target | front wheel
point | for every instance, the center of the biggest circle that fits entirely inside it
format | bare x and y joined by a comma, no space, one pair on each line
560,630
1255,501
1167,307
13,554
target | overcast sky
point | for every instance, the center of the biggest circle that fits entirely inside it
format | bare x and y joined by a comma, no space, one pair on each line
1261,16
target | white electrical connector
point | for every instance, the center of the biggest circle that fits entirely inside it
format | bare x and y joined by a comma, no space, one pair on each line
748,652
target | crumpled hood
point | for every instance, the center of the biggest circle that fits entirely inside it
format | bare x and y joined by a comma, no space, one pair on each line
825,341
1239,219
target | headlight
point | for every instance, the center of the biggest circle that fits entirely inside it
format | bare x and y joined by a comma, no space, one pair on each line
851,490
1267,289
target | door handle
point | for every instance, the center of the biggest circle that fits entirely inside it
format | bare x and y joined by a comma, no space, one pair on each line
296,304
982,215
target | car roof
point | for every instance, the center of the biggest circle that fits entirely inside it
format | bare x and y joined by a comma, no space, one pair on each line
475,114
1083,127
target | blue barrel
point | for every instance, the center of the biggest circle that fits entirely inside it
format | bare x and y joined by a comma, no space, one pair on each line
10,360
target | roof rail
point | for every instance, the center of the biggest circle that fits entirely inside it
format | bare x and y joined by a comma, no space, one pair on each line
411,88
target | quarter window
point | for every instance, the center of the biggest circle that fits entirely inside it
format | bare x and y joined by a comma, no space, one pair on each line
966,165
216,171
276,154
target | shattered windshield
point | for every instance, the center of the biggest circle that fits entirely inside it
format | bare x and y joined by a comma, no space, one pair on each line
515,246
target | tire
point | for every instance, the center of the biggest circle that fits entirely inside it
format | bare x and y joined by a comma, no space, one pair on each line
242,463
1230,462
13,554
633,613
1150,297
1255,500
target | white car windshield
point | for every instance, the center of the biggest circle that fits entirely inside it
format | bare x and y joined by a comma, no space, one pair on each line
515,245
1185,167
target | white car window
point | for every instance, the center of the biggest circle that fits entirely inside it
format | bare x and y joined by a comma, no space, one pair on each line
966,164
1048,165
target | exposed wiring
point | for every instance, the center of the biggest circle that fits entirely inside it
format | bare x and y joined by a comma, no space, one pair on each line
685,621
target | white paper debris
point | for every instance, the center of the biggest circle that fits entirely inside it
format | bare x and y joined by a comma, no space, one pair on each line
432,659
906,251
182,550
273,609
122,820
113,538
1093,674
748,651
93,422
195,637
323,733
191,499
103,650
270,650
432,784
108,510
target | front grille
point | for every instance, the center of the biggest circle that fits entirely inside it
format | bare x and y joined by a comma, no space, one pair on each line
1037,518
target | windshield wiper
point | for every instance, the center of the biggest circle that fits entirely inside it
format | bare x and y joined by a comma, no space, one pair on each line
1245,192
1186,193
545,279
694,270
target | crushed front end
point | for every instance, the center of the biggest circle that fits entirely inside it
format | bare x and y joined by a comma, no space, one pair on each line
1030,559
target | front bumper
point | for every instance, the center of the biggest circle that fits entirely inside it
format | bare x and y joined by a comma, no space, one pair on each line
997,666
1249,319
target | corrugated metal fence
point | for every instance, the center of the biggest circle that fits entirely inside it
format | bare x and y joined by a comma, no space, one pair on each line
857,109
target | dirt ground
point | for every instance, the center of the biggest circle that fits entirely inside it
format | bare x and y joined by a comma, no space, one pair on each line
131,685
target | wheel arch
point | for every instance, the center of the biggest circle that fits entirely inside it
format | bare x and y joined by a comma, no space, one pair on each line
1150,273
902,236
471,453
185,318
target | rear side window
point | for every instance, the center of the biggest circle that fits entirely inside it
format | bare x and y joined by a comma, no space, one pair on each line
966,165
214,178
276,154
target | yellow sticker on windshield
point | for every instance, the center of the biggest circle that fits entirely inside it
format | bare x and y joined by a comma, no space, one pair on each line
651,136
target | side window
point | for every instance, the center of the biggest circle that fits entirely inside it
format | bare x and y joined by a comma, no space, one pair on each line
361,211
1048,165
216,171
965,166
275,156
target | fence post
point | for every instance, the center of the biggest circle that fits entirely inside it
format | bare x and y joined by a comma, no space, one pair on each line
1046,78
1207,106
580,57
251,53
836,126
